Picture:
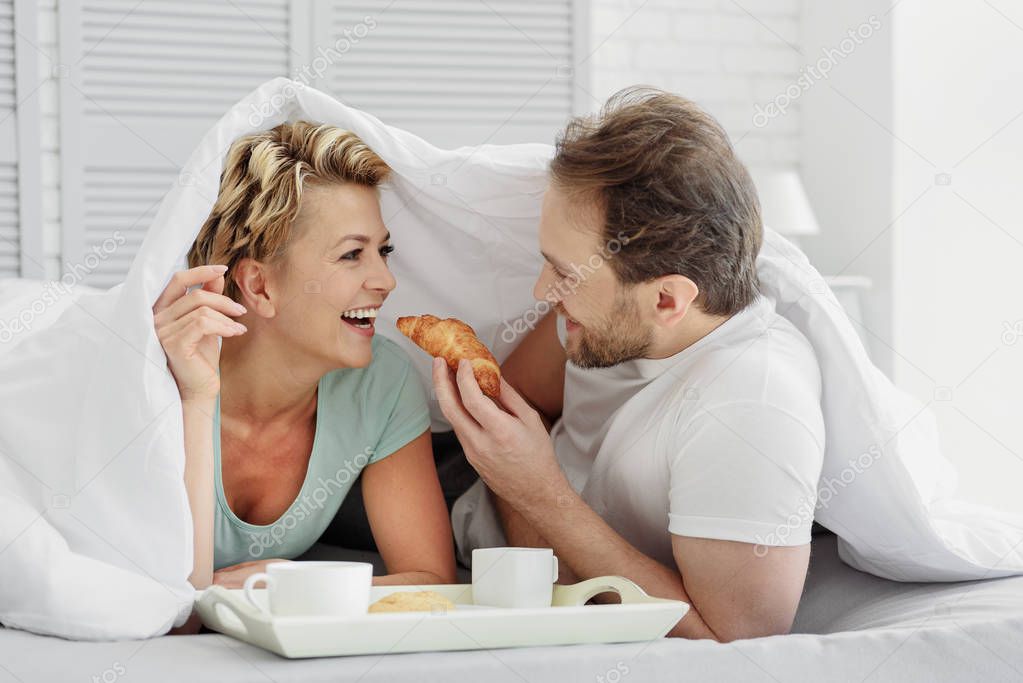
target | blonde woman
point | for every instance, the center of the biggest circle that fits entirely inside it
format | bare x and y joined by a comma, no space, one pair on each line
302,396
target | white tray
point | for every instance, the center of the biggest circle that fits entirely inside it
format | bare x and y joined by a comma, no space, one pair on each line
570,621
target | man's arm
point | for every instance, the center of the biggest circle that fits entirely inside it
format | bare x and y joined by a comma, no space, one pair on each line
536,368
743,590
520,534
733,591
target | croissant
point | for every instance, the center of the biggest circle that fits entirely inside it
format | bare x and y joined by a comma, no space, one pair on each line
453,340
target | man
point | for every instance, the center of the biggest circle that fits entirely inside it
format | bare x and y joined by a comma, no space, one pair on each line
687,434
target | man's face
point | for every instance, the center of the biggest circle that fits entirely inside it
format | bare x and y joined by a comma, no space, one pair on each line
605,322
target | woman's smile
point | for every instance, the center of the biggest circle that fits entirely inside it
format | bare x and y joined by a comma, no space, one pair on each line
361,320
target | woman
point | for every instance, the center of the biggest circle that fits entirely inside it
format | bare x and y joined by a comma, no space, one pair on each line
302,396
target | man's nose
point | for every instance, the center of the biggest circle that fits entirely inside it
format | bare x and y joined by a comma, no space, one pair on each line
538,287
543,289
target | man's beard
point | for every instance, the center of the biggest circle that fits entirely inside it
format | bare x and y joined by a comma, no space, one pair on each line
623,336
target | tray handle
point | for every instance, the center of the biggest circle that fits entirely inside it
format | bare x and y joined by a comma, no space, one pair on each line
217,598
580,593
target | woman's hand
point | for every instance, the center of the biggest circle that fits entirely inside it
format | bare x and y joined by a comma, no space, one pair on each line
188,324
235,575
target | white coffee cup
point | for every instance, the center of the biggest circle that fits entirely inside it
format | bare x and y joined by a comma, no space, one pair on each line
513,577
336,589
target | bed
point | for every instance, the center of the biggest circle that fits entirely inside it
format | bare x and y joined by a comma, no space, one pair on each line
851,626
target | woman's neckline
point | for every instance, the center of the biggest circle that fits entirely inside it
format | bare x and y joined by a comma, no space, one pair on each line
218,460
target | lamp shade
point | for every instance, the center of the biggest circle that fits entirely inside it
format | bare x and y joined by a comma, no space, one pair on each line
783,201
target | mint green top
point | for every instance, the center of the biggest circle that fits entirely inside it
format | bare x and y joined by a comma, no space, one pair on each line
362,416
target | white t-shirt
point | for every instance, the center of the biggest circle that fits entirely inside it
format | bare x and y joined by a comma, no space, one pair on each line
724,439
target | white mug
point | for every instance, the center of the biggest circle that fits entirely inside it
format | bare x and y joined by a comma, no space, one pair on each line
513,577
336,589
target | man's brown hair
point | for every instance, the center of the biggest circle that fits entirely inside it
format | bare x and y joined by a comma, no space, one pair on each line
666,177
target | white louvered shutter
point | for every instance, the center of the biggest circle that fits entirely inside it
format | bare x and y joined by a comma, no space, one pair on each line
455,72
145,80
10,240
149,80
20,225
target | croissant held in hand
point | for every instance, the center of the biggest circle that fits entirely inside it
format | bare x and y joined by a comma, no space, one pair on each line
453,340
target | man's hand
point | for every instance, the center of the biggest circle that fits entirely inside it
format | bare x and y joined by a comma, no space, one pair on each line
235,575
511,451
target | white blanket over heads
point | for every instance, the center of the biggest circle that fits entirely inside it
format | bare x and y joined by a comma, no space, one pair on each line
95,541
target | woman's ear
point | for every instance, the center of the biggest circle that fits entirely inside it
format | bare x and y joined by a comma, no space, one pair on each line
675,295
250,276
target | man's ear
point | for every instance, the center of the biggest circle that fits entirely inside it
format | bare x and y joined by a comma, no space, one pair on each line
675,296
253,287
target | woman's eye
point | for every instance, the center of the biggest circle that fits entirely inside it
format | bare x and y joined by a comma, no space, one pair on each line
353,255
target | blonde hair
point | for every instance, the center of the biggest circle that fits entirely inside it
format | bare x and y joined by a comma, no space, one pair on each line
261,190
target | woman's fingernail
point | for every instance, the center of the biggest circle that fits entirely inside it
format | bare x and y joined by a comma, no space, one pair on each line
238,307
242,328
221,268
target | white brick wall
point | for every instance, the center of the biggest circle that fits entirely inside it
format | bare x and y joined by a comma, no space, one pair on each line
727,56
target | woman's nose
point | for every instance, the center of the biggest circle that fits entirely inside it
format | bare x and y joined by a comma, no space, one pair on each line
381,278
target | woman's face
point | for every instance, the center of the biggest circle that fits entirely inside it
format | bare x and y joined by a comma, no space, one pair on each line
335,268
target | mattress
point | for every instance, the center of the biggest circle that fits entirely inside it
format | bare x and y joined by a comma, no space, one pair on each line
850,627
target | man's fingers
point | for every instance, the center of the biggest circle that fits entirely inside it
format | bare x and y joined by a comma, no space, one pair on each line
181,281
515,404
475,401
450,402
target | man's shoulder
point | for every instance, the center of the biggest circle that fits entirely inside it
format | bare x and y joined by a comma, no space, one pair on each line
762,357
763,370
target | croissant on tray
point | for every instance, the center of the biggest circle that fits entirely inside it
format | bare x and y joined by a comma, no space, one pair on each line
453,340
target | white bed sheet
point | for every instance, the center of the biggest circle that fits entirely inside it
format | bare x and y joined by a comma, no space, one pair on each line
851,626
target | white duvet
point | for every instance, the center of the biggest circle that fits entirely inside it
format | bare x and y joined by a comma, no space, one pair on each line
95,539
